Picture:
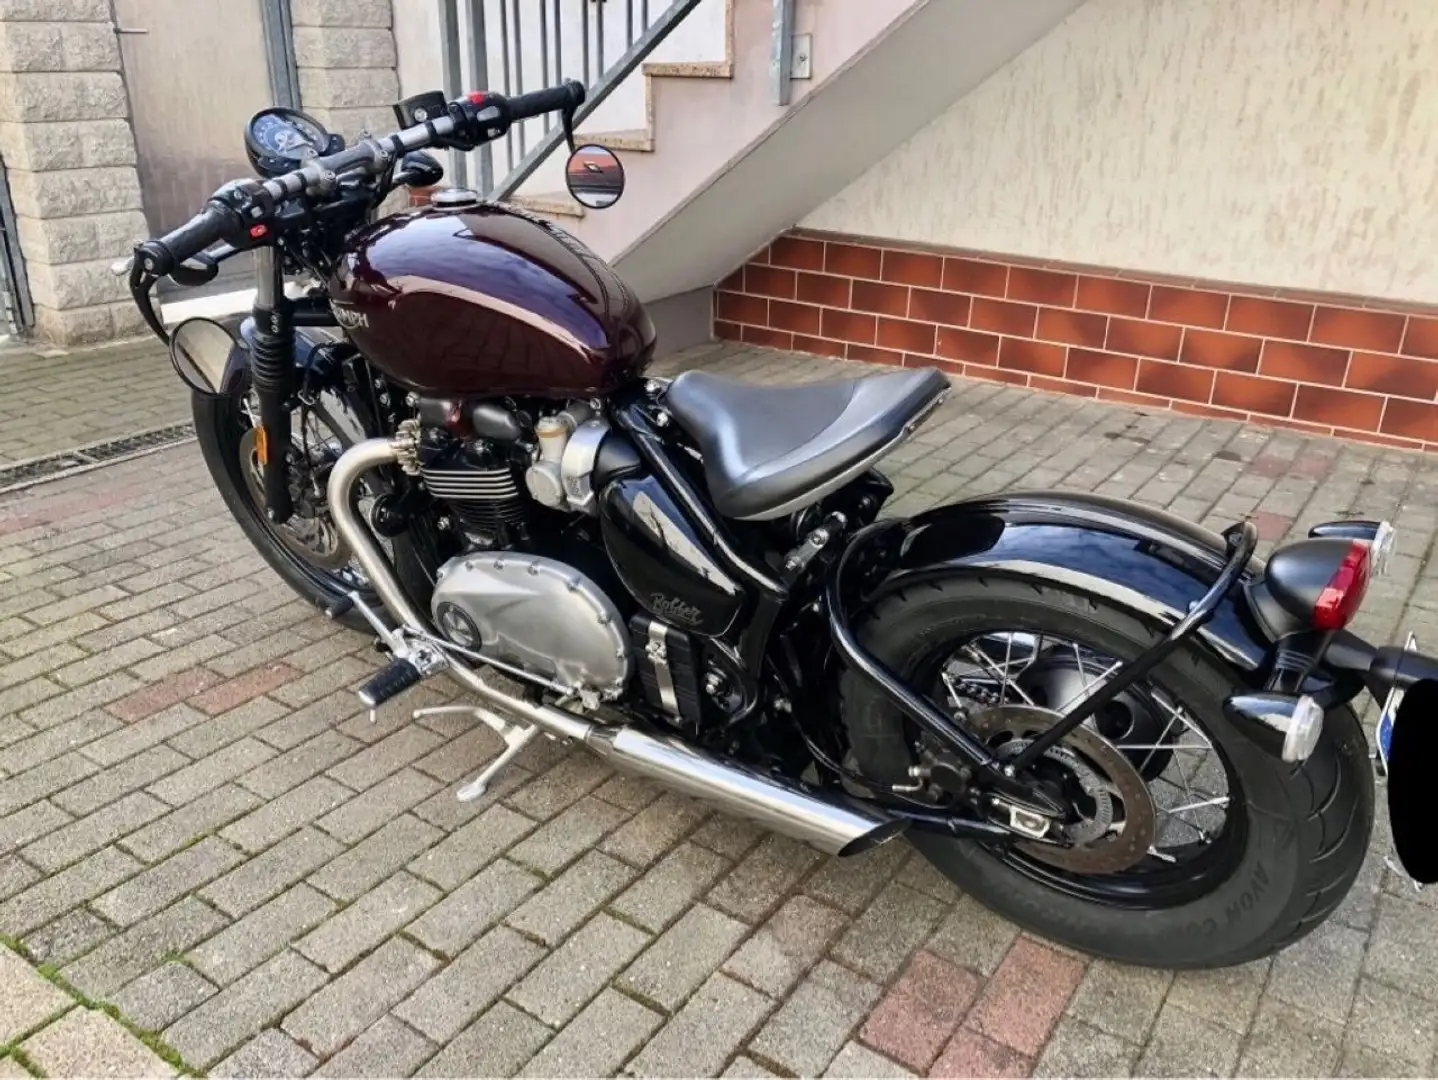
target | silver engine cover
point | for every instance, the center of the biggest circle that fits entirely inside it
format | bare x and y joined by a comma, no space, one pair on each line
537,614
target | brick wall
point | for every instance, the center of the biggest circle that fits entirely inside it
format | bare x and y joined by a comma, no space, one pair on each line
1321,363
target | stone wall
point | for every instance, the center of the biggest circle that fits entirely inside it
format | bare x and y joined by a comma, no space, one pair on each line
344,50
69,154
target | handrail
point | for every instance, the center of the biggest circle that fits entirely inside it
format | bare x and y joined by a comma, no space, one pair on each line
600,78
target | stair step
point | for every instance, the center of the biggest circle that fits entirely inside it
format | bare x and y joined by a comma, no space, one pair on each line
691,69
555,205
639,140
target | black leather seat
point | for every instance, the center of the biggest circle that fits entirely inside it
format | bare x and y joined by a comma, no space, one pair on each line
770,450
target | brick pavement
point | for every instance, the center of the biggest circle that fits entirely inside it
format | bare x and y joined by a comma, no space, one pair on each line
201,827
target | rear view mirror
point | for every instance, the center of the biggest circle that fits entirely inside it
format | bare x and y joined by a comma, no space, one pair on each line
200,350
595,176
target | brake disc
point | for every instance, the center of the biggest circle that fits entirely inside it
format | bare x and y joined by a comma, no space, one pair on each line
1123,824
309,533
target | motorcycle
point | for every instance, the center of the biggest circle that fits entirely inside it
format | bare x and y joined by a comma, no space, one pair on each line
1122,731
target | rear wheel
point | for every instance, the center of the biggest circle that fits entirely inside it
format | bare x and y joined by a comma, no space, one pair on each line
1190,846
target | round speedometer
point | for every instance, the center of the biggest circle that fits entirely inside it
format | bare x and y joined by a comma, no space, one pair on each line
278,140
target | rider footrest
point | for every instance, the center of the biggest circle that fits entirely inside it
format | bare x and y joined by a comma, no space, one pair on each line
395,679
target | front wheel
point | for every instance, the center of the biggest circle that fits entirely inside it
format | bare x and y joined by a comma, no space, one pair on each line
1190,846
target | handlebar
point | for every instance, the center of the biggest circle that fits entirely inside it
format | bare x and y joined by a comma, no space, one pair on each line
240,211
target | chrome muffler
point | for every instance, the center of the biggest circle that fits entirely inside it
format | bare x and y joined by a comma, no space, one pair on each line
831,823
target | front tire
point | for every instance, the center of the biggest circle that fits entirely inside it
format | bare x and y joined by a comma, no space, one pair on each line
1297,842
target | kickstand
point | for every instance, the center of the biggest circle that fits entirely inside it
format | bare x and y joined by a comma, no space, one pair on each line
516,737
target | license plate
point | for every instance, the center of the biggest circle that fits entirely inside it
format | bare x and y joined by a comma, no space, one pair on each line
1384,733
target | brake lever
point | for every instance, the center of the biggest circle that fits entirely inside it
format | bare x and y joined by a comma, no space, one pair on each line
567,119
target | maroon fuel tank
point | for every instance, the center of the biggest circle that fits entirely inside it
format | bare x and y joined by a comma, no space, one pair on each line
485,299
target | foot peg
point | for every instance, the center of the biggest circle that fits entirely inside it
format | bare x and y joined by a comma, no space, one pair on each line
516,737
392,681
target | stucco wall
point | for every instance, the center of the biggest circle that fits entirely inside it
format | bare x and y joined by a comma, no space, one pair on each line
1279,142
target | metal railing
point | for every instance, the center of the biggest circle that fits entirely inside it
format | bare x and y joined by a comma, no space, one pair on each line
515,46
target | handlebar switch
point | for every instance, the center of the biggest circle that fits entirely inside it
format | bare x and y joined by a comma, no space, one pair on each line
420,108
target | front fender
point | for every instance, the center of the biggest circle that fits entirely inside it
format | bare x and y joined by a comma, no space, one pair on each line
236,379
1140,558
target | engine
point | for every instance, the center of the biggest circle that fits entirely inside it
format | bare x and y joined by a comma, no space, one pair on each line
539,616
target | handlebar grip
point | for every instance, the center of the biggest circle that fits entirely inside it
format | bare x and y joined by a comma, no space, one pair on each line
569,95
162,255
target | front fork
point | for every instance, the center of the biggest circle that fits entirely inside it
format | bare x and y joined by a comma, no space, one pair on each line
273,375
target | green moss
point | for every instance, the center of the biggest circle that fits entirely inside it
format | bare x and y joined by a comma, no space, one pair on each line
23,1060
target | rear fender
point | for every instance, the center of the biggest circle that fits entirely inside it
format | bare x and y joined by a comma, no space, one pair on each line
236,379
1140,558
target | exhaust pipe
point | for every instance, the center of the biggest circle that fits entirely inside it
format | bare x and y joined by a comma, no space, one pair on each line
830,823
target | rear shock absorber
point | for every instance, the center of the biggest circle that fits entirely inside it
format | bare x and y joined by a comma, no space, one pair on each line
272,369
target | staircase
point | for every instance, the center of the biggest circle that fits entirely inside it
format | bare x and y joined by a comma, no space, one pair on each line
727,151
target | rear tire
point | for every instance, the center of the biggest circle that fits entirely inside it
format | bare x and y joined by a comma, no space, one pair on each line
1304,830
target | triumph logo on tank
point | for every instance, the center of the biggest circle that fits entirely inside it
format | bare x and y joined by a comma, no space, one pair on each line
349,318
675,610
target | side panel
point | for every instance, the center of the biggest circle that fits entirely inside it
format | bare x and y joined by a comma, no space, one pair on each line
663,561
1147,560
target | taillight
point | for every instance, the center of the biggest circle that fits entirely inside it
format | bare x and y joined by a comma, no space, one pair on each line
1341,597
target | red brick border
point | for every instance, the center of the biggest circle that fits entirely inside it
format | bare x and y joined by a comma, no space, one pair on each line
1334,365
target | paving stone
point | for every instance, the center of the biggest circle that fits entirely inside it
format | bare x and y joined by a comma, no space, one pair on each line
1403,951
43,780
338,941
157,1000
598,1040
667,889
628,792
317,684
1393,1023
374,859
180,827
60,892
856,1061
973,937
972,1054
363,814
54,741
143,735
785,947
86,1042
370,766
757,885
569,899
266,875
209,772
270,1053
78,839
72,934
474,907
1288,1041
244,1008
1075,1049
564,838
646,837
1026,996
161,885
302,725
809,1028
1119,999
16,874
244,945
31,823
10,1068
444,810
227,728
571,975
881,940
921,1011
293,768
1319,972
386,1048
559,787
470,984
277,818
29,1000
464,852
1224,996
497,1044
333,1016
117,780
850,883
700,1038
142,947
1183,1044
683,957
